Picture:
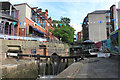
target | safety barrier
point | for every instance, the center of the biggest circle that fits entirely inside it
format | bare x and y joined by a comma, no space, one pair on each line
7,37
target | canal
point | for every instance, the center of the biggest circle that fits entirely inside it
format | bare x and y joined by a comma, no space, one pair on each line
48,69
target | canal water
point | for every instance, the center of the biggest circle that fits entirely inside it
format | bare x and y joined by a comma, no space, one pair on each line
48,70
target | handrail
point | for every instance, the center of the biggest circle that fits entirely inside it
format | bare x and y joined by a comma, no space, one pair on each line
22,38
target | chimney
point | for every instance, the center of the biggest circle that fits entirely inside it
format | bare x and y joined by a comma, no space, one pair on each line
40,11
46,10
46,13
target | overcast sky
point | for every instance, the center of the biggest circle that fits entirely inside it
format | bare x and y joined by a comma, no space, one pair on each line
76,10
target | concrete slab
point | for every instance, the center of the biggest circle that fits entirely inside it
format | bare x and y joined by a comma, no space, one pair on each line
92,68
104,68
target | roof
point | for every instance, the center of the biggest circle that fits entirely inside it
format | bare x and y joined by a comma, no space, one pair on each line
6,5
100,12
22,4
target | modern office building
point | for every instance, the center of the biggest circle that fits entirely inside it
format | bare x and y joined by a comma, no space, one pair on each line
113,18
98,24
118,14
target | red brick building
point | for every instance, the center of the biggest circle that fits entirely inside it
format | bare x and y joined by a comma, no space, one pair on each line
79,35
34,22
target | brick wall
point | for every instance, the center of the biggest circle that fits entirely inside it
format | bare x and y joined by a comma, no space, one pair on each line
22,32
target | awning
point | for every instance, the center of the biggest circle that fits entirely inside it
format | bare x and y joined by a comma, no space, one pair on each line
38,31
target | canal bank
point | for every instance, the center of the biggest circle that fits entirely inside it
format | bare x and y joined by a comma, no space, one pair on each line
92,68
31,69
19,69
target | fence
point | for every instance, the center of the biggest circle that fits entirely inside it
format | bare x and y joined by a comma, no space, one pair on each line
7,37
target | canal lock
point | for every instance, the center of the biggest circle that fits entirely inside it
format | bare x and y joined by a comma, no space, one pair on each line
51,67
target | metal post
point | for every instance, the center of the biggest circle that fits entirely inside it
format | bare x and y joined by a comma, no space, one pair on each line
11,28
10,9
63,59
8,29
3,28
75,59
38,60
67,62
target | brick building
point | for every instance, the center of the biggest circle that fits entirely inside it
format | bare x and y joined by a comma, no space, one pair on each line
85,29
34,22
9,20
79,35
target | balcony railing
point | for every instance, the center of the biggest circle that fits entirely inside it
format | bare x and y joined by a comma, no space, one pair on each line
14,14
22,38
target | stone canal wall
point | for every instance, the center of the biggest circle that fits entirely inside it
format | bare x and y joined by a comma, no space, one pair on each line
42,48
27,69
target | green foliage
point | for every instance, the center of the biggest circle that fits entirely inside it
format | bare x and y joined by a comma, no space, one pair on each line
65,20
66,33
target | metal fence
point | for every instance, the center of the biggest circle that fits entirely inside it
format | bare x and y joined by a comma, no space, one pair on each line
8,37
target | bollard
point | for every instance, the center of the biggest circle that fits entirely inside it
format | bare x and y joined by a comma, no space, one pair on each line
75,59
38,60
63,60
67,63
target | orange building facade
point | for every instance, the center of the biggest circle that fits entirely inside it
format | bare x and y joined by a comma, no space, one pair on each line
34,22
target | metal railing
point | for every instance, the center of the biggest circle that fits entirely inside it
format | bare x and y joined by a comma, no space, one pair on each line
7,37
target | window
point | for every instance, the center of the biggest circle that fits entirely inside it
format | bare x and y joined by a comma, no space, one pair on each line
107,14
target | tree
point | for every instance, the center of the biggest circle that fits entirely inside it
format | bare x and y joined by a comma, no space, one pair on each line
64,32
65,20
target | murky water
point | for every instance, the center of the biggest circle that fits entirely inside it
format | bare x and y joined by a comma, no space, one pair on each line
50,70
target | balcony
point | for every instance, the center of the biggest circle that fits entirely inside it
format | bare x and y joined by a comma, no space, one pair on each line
14,15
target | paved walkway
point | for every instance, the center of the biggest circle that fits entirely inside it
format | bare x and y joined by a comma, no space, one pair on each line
92,68
99,68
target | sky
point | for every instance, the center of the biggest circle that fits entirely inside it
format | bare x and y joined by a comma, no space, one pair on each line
76,10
